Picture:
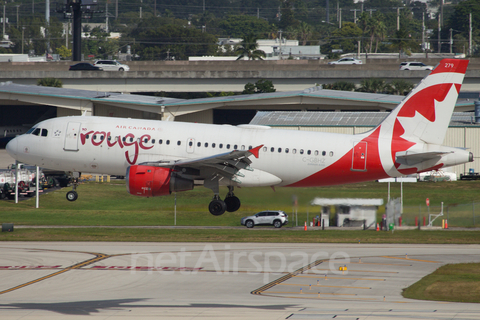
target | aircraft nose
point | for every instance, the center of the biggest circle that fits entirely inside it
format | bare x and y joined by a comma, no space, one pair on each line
12,147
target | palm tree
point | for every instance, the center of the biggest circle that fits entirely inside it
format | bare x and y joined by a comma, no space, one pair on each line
304,30
402,42
249,48
364,23
340,85
374,28
400,87
379,33
372,85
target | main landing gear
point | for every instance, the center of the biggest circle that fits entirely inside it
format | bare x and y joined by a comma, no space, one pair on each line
73,195
231,203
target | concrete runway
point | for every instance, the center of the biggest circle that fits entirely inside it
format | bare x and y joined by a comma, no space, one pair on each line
63,280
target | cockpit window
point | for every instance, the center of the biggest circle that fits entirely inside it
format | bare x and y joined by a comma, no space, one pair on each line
36,131
44,132
31,130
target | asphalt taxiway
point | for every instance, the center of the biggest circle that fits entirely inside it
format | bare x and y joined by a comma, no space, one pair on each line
63,280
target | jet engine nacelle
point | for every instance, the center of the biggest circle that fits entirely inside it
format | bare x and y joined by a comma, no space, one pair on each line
149,181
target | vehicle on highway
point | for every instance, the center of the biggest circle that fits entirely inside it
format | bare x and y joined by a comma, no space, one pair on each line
276,218
347,61
111,65
84,66
415,66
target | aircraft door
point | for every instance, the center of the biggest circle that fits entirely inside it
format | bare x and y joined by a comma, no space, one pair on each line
190,145
359,158
71,136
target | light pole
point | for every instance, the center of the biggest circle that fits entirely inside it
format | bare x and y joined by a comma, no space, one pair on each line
3,34
17,14
23,31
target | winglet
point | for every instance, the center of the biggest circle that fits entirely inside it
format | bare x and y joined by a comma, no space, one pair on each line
255,150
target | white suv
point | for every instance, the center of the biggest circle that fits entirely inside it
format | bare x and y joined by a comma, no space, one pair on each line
414,66
111,65
276,218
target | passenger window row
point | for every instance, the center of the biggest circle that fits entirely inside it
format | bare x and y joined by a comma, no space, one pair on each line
221,145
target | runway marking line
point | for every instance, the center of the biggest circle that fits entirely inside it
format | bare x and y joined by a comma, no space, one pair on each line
409,259
321,298
319,285
353,271
98,257
384,264
324,293
343,278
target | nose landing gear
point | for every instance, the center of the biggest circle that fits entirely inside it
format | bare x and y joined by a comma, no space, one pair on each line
73,195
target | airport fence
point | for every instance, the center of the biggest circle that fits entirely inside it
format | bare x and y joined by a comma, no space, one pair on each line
457,215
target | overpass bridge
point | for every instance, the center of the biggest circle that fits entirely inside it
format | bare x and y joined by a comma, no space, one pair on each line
217,76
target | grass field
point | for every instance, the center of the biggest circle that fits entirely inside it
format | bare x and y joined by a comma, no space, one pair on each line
108,204
263,235
453,282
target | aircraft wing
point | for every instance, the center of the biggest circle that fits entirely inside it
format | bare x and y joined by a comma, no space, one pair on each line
410,159
226,164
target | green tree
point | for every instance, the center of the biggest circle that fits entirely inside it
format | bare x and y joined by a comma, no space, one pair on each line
249,88
304,30
55,34
340,85
154,40
261,86
400,87
378,30
50,82
64,52
249,48
236,26
287,15
372,85
459,21
373,29
403,42
264,86
346,38
99,45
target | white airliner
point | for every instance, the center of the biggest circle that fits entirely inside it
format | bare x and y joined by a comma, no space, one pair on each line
160,157
9,132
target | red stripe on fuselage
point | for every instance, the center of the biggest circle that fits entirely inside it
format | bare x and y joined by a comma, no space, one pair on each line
340,172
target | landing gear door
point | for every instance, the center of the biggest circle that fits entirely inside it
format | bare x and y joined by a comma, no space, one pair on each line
71,136
190,145
359,157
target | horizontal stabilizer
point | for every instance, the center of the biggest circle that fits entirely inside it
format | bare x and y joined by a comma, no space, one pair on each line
411,158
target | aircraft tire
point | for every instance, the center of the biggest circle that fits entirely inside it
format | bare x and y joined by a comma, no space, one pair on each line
72,195
217,207
233,203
